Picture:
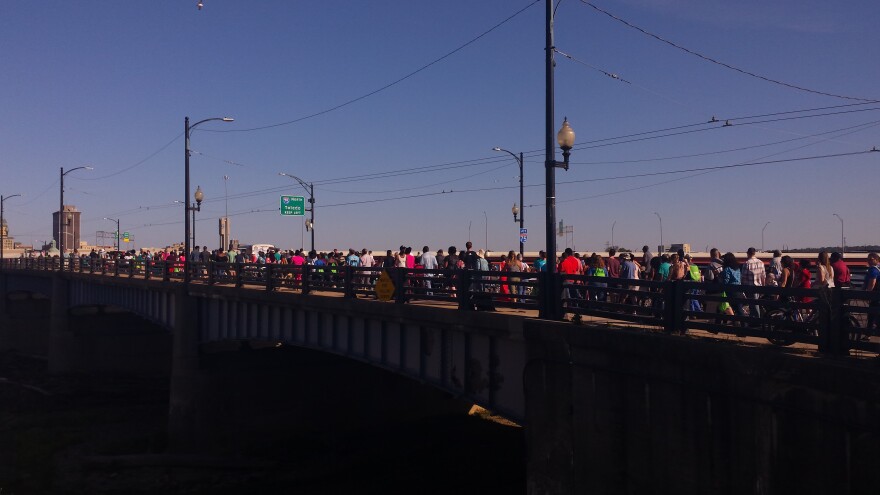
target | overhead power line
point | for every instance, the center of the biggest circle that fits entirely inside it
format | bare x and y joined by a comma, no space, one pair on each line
723,64
863,126
700,169
389,85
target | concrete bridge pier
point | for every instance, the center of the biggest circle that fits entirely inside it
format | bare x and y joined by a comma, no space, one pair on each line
62,346
24,321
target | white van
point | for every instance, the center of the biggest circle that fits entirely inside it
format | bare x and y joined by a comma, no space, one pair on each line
256,248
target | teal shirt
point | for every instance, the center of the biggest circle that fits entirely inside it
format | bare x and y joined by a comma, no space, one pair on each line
663,270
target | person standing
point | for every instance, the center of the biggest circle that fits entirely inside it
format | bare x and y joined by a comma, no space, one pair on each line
540,264
629,271
570,265
731,276
612,268
824,271
753,275
841,271
776,264
871,284
429,262
646,262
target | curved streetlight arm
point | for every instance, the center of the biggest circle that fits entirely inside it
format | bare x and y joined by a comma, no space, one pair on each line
303,183
508,152
224,119
4,198
86,167
310,188
522,210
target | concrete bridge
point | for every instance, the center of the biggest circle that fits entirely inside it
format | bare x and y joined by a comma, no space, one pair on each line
605,409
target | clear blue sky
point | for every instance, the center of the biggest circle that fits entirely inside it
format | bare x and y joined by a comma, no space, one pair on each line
108,84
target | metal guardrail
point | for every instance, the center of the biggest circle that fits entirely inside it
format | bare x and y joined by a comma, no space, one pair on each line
834,320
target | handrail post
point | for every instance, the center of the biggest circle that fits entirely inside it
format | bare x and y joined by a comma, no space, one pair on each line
400,289
148,269
672,315
211,270
166,271
832,337
268,278
238,270
463,290
347,281
306,279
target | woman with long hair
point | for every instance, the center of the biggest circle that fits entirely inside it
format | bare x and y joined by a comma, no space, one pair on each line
824,272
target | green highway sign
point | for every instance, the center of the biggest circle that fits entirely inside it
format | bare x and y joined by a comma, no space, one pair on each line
293,206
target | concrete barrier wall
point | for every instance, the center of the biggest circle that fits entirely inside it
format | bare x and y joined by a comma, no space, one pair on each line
620,412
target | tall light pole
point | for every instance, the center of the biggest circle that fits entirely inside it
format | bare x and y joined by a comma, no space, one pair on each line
486,241
521,210
842,239
118,233
612,234
762,235
187,130
565,139
224,235
662,246
310,188
61,232
2,225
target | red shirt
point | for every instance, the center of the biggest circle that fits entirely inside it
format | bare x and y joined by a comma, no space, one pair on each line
570,266
841,273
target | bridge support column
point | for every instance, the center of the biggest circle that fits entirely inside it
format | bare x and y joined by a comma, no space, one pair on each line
62,347
5,323
184,425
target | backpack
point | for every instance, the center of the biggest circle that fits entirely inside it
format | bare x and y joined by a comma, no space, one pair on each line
694,272
600,272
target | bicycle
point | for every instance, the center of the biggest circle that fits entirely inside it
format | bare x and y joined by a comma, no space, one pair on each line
800,322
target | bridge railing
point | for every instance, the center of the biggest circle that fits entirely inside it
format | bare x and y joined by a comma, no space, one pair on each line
834,320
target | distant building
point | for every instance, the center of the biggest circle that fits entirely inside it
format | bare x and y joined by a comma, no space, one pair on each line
684,247
8,242
68,228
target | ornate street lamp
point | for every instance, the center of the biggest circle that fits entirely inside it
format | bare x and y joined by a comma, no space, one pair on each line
186,206
516,210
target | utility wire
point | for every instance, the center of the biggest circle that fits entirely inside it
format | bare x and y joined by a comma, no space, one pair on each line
612,75
389,85
610,141
723,64
726,123
702,169
708,170
136,164
863,126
